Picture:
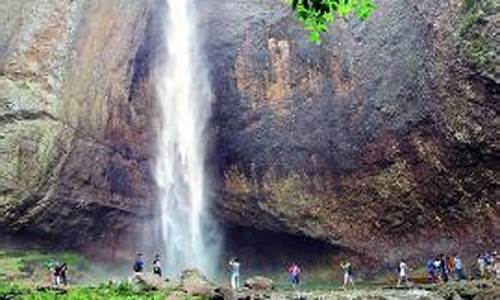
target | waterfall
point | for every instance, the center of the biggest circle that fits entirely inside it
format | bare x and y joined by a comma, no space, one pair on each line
184,94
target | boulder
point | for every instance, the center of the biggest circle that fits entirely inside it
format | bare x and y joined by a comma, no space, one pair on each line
259,283
149,282
193,283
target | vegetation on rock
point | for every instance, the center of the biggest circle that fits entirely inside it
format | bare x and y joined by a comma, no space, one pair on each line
318,14
477,32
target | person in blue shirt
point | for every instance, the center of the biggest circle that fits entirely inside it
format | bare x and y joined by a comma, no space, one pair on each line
459,268
431,271
138,264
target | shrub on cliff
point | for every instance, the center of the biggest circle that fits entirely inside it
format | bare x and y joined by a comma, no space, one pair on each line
317,15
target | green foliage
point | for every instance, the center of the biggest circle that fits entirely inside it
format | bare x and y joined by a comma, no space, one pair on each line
108,291
26,261
478,41
12,291
317,15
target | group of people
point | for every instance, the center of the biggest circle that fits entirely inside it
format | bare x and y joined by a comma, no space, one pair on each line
346,266
488,265
439,269
138,266
58,273
442,267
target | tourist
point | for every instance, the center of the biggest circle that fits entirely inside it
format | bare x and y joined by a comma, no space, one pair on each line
235,273
481,264
437,268
431,272
459,268
450,264
138,264
496,267
490,259
157,265
443,268
348,274
294,272
403,273
63,270
57,274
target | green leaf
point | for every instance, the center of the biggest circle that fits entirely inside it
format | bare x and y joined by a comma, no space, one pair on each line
328,17
344,7
365,8
315,37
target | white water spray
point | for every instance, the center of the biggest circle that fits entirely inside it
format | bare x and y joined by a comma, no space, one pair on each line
184,93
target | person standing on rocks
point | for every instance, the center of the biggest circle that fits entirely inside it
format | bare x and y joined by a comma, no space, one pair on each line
348,274
490,259
403,273
63,270
481,263
294,272
443,268
437,268
459,268
235,273
57,274
450,263
138,264
157,265
496,267
431,271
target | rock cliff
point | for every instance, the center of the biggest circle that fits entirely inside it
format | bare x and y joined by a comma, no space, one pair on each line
383,140
72,134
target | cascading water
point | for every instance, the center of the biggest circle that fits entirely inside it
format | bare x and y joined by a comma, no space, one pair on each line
184,93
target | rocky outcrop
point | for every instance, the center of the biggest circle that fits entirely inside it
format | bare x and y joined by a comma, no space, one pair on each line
383,140
72,134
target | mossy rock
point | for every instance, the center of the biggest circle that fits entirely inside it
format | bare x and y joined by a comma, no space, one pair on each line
477,31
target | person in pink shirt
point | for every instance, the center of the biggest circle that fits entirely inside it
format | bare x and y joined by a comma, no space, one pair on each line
294,272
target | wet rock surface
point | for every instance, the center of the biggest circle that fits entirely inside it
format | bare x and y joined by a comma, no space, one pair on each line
73,166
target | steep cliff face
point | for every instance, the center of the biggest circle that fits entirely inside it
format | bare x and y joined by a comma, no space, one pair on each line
384,137
382,140
72,134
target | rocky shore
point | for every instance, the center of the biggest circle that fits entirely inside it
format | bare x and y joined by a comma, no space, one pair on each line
193,284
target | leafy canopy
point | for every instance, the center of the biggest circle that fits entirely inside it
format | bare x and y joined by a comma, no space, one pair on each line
317,15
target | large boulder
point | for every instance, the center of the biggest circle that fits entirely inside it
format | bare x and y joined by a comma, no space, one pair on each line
259,283
193,283
151,282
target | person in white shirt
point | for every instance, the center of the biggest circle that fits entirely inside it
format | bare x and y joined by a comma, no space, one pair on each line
481,263
348,275
437,268
235,273
403,273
